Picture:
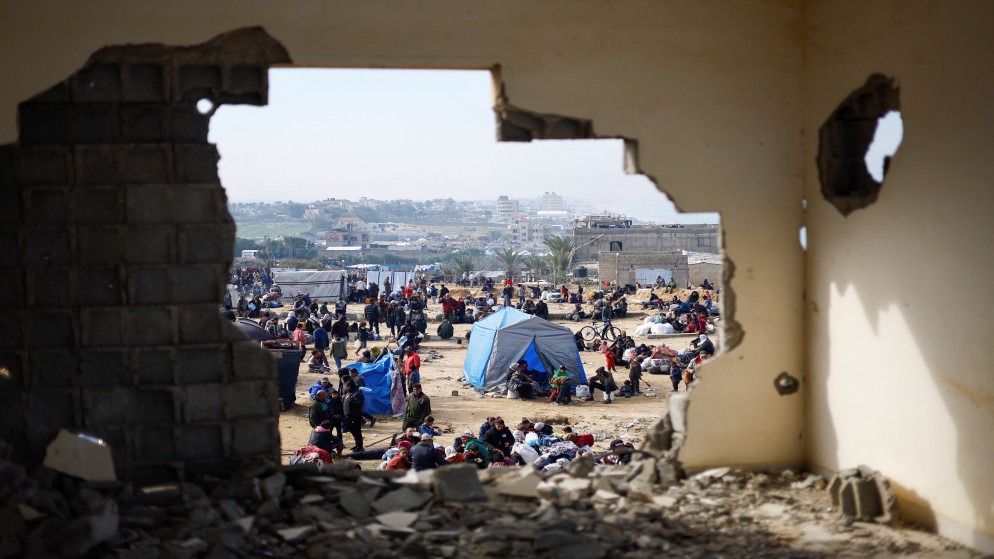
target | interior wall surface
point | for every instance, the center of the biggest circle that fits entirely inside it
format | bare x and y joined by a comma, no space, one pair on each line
711,92
899,292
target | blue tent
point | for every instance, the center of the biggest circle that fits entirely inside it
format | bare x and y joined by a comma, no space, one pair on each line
378,381
509,335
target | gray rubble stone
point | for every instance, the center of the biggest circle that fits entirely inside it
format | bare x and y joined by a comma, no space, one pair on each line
458,483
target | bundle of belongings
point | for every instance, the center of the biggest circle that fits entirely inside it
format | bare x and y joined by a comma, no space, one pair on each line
308,454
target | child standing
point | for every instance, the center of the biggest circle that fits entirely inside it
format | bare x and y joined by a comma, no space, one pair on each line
364,335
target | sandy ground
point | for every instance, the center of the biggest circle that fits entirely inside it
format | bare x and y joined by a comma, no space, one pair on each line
442,366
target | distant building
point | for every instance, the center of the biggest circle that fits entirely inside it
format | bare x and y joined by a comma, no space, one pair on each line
505,207
346,238
552,202
525,230
597,234
249,253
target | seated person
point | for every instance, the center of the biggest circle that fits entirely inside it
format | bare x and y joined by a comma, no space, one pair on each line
627,391
318,363
427,428
322,438
322,384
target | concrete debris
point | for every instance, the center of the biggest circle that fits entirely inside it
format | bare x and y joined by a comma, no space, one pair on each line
864,494
80,455
584,511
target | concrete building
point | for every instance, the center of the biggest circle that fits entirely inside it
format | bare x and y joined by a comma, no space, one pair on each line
524,230
627,268
505,208
552,202
117,240
598,234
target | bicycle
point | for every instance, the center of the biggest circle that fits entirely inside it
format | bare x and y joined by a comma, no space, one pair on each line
606,332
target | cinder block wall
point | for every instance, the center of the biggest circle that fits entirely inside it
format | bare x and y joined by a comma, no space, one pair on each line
116,243
621,266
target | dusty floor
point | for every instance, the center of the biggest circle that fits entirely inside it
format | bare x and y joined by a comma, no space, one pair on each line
442,365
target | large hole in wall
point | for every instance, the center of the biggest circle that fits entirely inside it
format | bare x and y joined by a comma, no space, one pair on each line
357,169
857,142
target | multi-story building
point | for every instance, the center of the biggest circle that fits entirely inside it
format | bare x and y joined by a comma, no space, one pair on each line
525,230
552,202
505,207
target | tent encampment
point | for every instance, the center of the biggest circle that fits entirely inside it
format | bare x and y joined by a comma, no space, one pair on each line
379,380
509,335
322,285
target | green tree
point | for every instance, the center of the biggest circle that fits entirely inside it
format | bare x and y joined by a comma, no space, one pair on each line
509,258
462,265
535,264
562,250
241,243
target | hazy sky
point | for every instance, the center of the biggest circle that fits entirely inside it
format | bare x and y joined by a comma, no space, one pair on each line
415,134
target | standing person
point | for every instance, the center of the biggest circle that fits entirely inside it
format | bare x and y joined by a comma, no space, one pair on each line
635,374
676,374
609,357
418,407
341,305
298,336
360,382
507,293
337,409
364,335
412,368
372,313
386,285
520,292
320,337
339,351
354,401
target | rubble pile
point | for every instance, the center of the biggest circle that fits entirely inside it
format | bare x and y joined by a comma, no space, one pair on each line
342,512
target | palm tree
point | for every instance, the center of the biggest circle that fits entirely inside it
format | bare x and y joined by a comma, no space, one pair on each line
561,257
509,258
535,263
462,265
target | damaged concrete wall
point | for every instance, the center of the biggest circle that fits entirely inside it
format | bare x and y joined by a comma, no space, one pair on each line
117,243
620,266
899,292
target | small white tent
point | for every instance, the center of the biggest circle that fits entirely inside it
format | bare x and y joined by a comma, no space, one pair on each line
323,285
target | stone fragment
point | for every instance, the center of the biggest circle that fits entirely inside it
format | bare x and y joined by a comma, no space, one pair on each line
397,520
296,534
311,499
245,523
458,483
582,467
356,503
29,513
82,456
888,501
867,499
402,499
525,484
272,486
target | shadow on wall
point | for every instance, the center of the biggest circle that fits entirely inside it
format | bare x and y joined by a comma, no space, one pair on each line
899,277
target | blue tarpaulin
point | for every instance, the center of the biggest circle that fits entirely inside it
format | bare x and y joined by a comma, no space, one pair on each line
378,381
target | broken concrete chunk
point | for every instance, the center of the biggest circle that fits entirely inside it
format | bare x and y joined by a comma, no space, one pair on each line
401,499
523,485
272,486
245,523
356,503
296,534
29,513
458,483
82,456
397,520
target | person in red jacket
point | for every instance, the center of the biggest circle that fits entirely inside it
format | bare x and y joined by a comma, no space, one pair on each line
412,368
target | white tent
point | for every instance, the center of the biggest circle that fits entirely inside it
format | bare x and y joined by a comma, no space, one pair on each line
323,285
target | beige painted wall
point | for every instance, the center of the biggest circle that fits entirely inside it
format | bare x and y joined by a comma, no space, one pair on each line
712,92
901,374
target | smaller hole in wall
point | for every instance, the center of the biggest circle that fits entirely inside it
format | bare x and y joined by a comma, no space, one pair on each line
205,106
803,237
886,139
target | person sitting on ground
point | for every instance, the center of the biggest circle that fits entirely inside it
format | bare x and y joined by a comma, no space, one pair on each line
453,456
322,438
522,452
542,310
424,456
318,363
620,453
498,437
401,460
490,422
444,330
427,428
321,384
365,357
621,308
703,345
671,286
626,390
474,451
497,460
568,434
521,382
411,435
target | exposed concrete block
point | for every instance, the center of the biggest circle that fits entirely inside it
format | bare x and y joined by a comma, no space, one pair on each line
142,164
153,366
197,323
97,123
251,399
101,327
145,83
95,165
251,362
44,166
155,407
107,407
50,329
198,244
867,499
458,483
98,206
46,206
149,204
103,368
196,163
149,286
148,245
46,417
155,445
187,125
100,245
53,367
49,289
201,365
142,123
41,124
44,248
196,284
100,285
847,499
199,442
254,438
203,403
99,83
149,326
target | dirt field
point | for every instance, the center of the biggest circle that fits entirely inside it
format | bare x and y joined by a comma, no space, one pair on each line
442,365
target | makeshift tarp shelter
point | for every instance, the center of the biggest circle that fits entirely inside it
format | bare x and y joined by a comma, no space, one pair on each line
323,285
379,380
509,335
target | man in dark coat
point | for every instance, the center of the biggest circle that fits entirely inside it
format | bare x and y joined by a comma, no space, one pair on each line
319,410
353,413
322,438
372,313
418,407
499,438
424,456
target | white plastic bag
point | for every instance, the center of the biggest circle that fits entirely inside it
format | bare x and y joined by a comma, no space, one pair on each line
583,391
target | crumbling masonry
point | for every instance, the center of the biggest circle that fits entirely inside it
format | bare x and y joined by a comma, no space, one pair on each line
116,242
